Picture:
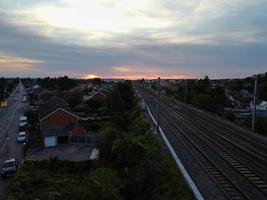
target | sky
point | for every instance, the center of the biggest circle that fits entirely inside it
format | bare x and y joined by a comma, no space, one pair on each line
133,38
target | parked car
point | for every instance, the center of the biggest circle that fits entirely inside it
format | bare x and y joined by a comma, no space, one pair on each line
23,120
9,167
22,137
22,127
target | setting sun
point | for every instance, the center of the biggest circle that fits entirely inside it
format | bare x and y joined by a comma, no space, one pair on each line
90,76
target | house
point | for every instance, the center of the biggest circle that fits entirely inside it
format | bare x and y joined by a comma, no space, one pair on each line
263,105
57,122
35,89
260,105
97,95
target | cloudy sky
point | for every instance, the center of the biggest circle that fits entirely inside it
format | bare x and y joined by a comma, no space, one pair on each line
133,38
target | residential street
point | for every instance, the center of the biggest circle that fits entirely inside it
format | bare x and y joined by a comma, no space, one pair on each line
9,119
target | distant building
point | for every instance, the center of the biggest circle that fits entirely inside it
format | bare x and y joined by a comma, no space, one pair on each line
97,95
113,80
262,105
36,89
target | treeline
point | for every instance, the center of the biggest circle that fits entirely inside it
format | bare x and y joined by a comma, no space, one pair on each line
212,97
201,93
248,84
119,99
7,86
59,83
131,164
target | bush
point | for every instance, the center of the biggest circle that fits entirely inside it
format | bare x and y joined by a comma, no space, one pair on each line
136,157
101,184
120,121
48,179
229,116
260,124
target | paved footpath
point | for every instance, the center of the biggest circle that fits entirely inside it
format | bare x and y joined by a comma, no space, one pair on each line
9,120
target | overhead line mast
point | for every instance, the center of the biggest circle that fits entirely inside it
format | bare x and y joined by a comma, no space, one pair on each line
158,99
254,105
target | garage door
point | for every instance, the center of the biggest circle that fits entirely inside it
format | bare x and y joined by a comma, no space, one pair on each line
50,141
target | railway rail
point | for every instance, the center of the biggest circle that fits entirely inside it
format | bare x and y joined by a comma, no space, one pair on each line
234,159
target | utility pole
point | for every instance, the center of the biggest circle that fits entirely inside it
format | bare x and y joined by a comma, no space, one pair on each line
158,98
185,90
254,105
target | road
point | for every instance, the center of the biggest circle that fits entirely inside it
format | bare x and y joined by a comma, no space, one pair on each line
9,119
225,161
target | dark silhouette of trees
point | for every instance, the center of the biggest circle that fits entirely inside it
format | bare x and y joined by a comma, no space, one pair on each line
76,97
263,87
60,83
2,88
95,81
121,98
65,83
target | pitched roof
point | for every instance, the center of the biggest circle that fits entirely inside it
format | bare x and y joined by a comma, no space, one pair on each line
263,103
97,94
52,105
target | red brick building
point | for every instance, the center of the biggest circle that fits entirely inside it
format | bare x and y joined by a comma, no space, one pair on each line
57,122
59,118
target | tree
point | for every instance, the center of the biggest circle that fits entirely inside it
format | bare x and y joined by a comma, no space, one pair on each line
127,93
204,100
219,98
203,85
76,97
95,81
32,116
61,83
1,92
260,124
115,102
105,143
49,83
230,116
93,105
120,121
2,88
128,151
101,184
65,83
235,84
121,98
263,87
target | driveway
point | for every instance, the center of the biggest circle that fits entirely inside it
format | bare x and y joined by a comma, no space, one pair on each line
64,152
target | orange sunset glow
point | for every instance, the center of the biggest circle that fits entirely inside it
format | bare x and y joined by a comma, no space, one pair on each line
90,76
135,76
152,76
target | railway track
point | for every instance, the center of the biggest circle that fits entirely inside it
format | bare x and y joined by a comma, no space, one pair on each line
236,166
